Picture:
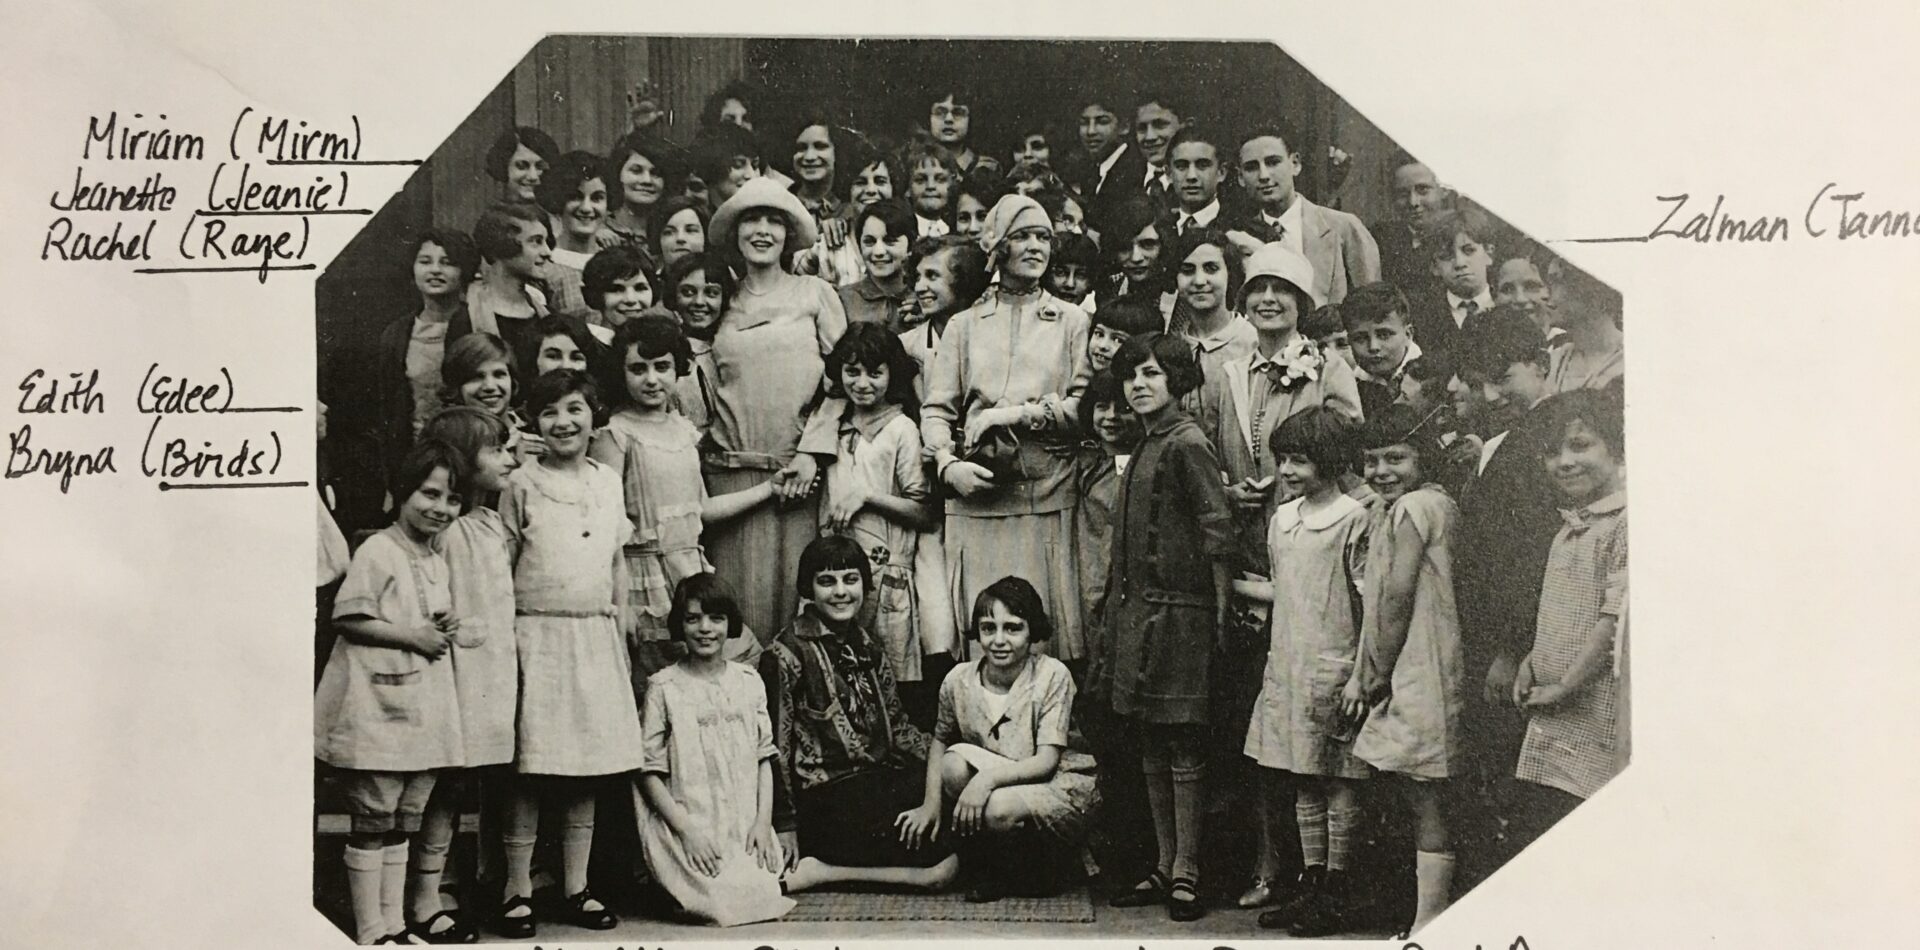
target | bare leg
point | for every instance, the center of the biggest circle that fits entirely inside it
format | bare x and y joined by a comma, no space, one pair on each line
1273,797
812,872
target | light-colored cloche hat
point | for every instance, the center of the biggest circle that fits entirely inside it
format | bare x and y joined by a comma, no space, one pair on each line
1010,214
1279,260
763,193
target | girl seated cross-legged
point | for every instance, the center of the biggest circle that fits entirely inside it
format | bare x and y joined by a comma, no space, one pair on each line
1020,795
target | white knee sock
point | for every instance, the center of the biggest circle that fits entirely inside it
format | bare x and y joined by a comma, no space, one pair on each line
1433,870
393,886
363,888
576,847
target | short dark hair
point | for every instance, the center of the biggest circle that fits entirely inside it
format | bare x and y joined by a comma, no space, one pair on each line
456,243
745,92
1071,248
1174,354
1432,365
1196,132
1324,436
873,345
500,153
653,335
892,213
843,148
1160,98
497,233
1323,322
1102,387
1374,302
557,384
1268,128
619,262
668,207
563,179
664,156
983,186
1600,409
1196,238
1133,314
1499,338
419,464
569,326
716,596
832,552
712,261
1401,424
865,152
715,148
1021,600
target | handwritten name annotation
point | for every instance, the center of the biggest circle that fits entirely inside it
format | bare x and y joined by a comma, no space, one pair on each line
1833,214
197,437
260,198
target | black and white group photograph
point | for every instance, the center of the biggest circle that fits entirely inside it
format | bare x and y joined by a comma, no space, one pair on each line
1023,489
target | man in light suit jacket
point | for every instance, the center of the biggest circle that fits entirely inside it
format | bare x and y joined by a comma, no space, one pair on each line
1343,254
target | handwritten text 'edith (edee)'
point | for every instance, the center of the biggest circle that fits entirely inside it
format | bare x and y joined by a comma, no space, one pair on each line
197,436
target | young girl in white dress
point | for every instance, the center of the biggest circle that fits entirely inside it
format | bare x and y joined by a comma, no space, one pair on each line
706,769
386,713
1411,671
577,717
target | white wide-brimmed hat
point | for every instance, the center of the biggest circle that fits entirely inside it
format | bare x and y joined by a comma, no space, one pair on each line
1279,260
762,193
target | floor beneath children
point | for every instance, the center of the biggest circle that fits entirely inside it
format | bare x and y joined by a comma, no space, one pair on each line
1221,922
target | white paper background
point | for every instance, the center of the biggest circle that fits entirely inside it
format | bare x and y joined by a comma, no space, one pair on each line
154,677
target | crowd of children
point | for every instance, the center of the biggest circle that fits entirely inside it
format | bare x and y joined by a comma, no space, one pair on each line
925,517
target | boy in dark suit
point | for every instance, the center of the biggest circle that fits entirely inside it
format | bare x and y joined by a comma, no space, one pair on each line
1508,517
1459,246
1114,170
1156,120
1341,250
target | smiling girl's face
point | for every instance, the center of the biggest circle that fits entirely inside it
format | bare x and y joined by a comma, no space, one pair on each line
641,183
1202,279
586,210
680,236
559,351
1393,470
884,256
650,380
435,275
490,388
1006,640
874,183
763,237
813,156
431,507
698,301
566,424
705,632
838,594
